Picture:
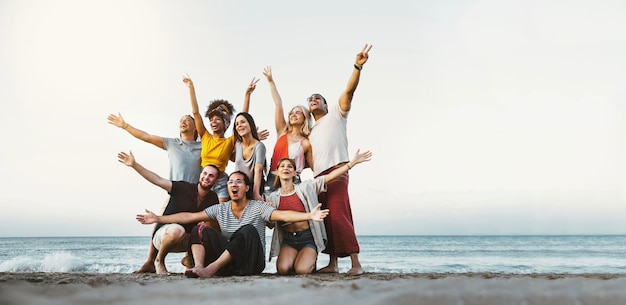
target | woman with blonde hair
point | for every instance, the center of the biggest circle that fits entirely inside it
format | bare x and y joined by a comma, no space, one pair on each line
292,135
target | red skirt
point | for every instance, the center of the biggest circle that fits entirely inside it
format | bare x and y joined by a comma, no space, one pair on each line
339,225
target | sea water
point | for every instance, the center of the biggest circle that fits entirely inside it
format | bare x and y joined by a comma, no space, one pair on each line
387,254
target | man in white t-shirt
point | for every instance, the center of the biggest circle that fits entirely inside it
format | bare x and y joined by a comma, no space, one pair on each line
329,141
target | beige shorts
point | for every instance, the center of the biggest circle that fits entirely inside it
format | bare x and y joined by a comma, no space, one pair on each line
160,234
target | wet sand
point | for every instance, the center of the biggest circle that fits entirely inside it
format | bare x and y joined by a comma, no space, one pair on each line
370,288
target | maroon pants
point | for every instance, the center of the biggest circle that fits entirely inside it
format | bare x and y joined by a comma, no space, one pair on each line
339,225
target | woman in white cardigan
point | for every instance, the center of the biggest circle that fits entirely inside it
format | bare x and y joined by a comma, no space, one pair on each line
297,244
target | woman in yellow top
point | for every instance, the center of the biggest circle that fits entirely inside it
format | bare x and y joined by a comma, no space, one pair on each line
216,149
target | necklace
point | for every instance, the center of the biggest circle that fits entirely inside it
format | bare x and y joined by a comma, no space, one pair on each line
290,192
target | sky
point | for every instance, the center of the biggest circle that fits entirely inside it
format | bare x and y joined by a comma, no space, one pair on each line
484,117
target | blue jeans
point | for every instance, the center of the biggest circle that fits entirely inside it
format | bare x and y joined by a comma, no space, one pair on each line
221,187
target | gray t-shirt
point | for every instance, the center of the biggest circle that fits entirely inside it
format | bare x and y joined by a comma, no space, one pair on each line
247,166
184,159
256,214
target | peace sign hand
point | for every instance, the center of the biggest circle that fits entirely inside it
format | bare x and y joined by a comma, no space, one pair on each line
361,57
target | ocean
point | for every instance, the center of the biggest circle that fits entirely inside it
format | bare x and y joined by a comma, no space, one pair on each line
574,254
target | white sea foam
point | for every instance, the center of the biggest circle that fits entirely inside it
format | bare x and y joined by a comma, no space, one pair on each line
61,262
54,262
17,264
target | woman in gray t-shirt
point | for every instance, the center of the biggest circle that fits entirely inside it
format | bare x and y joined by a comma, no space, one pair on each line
249,156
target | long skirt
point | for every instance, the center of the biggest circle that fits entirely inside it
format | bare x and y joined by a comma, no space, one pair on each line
339,225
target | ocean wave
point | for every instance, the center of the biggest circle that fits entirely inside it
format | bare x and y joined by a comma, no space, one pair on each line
54,262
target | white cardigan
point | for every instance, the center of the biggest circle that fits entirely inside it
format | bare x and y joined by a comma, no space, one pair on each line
307,192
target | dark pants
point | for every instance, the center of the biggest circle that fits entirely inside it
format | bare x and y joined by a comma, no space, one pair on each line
244,246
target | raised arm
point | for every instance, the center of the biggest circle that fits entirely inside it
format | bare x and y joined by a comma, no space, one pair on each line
182,218
358,158
279,112
129,160
308,153
292,216
118,120
197,116
263,134
345,100
249,90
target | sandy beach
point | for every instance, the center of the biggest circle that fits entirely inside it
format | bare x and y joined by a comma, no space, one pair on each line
370,288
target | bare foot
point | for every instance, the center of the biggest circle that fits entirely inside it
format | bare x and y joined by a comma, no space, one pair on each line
328,269
160,268
355,271
208,271
147,267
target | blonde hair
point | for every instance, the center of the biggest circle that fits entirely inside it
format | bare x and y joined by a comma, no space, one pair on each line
305,130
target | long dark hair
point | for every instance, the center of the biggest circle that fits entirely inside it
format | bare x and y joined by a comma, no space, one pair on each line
250,122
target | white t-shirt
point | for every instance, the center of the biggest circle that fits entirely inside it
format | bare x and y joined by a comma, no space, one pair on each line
329,139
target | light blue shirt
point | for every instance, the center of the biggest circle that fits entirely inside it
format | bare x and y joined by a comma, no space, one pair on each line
184,159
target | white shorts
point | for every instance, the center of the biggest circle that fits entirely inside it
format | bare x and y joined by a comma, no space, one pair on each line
160,234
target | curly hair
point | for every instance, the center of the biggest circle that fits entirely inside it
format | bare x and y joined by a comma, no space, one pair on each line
221,108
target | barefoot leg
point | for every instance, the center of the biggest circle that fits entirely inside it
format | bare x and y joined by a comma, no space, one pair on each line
356,265
332,265
148,266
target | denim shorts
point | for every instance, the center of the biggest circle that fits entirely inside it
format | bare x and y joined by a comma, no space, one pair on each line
299,240
221,187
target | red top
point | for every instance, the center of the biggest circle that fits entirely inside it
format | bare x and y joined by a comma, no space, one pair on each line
291,203
281,150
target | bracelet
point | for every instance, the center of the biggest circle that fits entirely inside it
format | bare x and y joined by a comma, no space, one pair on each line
125,126
358,67
349,166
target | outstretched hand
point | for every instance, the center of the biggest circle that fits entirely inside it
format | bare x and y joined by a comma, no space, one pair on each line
317,214
117,120
263,134
361,57
126,159
252,85
268,73
361,157
147,218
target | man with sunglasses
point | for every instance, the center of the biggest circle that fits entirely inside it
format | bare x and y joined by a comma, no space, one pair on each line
329,141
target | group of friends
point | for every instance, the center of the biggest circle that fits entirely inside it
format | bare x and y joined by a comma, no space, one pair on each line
219,219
